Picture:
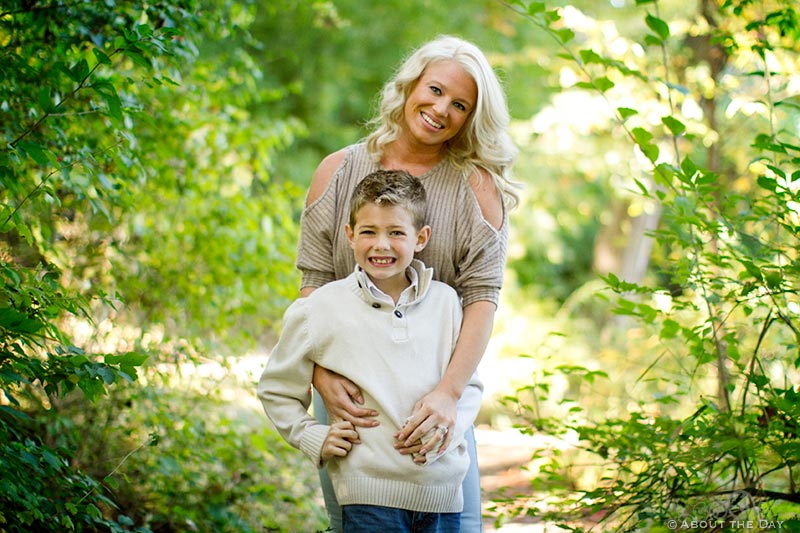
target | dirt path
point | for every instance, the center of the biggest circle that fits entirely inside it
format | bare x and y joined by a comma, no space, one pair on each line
501,458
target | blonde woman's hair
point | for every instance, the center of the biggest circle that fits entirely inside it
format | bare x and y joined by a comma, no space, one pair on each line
483,143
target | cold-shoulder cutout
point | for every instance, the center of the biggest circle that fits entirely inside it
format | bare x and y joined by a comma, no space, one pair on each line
488,197
323,174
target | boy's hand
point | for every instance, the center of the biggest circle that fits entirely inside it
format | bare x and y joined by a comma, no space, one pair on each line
436,410
342,398
339,441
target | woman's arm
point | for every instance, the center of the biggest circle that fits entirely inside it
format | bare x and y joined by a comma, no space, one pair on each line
438,408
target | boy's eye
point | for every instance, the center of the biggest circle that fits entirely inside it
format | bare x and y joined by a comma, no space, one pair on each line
398,233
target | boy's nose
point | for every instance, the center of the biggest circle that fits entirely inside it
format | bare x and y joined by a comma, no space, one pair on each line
382,242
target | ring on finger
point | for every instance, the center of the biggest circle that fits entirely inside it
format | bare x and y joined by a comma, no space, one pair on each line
443,429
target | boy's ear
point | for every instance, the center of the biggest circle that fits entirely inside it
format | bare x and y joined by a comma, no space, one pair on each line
349,232
423,236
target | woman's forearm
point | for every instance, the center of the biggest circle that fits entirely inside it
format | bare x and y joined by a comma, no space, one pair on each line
476,329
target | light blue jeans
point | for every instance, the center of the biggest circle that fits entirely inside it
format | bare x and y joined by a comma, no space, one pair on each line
471,516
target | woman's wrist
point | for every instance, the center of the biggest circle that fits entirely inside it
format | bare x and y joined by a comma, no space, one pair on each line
449,389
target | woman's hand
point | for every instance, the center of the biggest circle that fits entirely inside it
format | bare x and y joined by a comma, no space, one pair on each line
339,441
342,398
419,449
436,409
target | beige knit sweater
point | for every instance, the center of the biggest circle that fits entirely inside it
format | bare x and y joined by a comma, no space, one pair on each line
465,251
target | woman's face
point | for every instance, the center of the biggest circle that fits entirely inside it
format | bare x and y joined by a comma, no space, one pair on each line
440,103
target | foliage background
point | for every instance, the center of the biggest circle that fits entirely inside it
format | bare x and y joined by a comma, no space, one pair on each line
152,172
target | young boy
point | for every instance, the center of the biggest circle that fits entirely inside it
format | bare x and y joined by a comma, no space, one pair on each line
391,329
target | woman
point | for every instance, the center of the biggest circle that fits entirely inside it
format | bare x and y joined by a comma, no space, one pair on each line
443,118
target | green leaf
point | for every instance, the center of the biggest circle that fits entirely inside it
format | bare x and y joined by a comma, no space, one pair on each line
565,35
91,388
101,56
774,279
79,71
675,126
765,182
669,329
114,107
652,40
660,27
603,84
107,374
590,56
641,135
626,112
534,8
137,57
78,360
19,323
129,358
650,151
752,269
35,151
144,30
688,167
46,99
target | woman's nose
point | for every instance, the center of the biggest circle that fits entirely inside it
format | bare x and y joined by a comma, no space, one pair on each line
440,106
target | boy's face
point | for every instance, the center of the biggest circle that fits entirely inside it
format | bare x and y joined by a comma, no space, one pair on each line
384,241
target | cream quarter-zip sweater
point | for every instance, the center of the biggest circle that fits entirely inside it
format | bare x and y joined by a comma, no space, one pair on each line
396,353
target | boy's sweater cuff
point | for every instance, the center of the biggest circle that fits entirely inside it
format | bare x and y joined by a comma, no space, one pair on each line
312,440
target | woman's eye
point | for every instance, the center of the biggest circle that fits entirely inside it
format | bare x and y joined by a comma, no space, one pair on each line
460,106
435,90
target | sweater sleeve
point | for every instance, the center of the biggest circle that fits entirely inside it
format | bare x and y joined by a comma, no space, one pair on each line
480,270
315,245
285,385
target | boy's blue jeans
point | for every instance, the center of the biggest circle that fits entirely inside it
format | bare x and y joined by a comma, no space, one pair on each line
374,518
471,516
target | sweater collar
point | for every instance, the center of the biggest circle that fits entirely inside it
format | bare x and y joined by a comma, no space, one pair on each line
419,275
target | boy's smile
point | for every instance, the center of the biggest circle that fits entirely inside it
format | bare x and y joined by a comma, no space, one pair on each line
384,241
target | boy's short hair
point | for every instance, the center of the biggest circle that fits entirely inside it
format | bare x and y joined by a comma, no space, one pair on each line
390,188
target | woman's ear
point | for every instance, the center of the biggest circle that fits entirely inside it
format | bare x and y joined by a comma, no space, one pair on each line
423,236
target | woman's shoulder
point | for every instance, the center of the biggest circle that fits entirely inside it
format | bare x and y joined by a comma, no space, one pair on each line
488,197
324,174
478,190
347,160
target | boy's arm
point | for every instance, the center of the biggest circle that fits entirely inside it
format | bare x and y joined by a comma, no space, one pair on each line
285,386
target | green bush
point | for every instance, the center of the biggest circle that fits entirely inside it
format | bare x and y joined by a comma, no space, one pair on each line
713,438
